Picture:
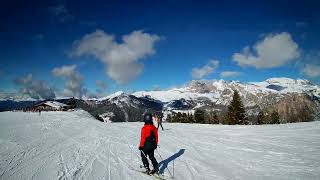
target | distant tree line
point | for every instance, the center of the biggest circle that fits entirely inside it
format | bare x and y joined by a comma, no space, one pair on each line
236,114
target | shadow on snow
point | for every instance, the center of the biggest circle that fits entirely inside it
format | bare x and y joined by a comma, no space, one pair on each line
164,164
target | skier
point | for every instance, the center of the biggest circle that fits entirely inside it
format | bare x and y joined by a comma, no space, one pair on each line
159,120
148,143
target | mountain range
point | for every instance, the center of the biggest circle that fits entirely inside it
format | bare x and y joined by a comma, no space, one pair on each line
294,99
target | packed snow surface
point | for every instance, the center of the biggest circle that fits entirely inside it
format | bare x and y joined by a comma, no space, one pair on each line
73,145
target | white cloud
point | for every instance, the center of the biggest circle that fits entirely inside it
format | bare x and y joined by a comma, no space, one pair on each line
274,50
122,60
311,70
226,74
74,81
198,73
310,64
156,87
35,88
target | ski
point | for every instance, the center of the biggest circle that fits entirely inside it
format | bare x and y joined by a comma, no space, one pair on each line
157,176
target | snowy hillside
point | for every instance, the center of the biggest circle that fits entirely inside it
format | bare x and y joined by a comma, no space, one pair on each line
73,145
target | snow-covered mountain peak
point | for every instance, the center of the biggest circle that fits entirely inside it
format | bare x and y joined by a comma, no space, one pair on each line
117,94
15,97
220,91
112,96
288,81
220,84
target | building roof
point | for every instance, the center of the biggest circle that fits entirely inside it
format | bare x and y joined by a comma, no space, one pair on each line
54,104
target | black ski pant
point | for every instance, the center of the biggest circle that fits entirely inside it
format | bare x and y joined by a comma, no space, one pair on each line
145,161
160,124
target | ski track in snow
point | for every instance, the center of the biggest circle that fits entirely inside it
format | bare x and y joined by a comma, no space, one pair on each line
73,145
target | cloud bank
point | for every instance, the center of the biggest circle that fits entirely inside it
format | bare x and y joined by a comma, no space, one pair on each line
122,60
274,50
74,81
226,74
310,66
311,70
198,73
34,88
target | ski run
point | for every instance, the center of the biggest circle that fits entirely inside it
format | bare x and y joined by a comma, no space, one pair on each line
73,145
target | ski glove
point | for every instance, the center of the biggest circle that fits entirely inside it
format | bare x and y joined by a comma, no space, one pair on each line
140,148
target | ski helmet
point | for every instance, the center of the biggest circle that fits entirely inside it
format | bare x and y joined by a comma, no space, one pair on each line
147,117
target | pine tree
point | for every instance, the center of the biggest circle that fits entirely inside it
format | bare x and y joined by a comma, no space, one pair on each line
236,112
173,118
212,117
305,114
190,118
184,118
178,117
199,116
274,118
215,118
261,118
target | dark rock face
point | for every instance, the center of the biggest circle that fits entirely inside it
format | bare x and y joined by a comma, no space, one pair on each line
181,104
275,87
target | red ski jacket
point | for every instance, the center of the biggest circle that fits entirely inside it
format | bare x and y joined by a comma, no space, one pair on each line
145,133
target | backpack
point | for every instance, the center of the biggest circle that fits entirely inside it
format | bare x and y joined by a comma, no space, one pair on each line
151,141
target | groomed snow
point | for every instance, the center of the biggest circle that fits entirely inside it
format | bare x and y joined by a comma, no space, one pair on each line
73,145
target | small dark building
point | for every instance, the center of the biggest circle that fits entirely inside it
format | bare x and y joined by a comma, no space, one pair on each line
50,106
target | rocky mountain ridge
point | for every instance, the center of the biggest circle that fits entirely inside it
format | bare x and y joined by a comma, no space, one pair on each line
292,98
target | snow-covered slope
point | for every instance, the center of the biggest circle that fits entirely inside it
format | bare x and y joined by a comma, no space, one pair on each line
73,145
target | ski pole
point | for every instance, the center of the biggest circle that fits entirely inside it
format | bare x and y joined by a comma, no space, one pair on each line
135,152
173,168
144,155
130,146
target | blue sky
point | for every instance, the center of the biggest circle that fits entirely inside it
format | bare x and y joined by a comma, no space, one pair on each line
173,42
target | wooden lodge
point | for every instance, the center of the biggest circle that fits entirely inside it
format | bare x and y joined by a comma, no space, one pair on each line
50,106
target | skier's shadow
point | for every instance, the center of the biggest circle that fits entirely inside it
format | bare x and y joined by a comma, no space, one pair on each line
164,164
